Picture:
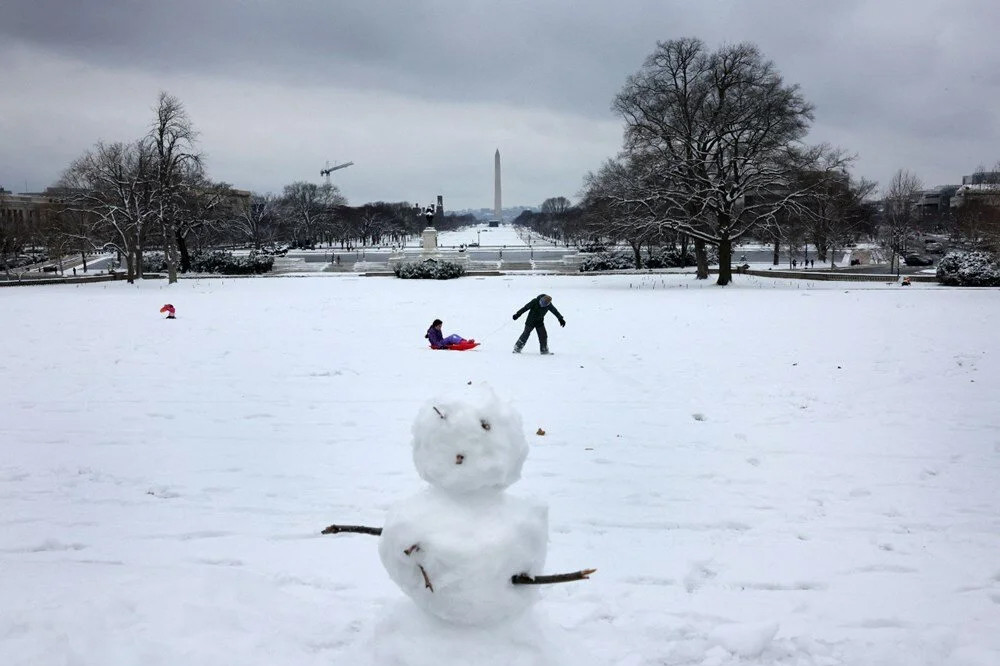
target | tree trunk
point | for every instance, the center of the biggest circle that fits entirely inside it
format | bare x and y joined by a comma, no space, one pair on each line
169,238
138,257
701,259
186,256
725,261
684,249
637,251
821,249
130,265
777,252
83,257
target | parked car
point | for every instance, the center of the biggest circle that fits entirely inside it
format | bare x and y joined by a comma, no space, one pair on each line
917,260
275,250
933,247
51,268
19,261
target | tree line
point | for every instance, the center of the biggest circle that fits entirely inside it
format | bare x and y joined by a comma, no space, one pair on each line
715,153
154,193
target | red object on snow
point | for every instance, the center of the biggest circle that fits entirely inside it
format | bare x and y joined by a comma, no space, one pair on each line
170,310
465,345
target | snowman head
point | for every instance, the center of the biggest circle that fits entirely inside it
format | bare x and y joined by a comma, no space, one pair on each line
470,442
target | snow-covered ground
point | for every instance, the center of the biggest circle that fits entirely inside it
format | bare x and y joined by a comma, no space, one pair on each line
771,473
505,235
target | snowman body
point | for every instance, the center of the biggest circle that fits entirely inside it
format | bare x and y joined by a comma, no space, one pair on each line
454,547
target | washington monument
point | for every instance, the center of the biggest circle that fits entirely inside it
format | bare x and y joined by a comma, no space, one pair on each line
497,207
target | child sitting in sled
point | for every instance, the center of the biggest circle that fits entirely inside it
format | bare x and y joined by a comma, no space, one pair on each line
439,341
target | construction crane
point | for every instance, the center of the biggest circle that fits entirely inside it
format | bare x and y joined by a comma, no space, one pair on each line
328,169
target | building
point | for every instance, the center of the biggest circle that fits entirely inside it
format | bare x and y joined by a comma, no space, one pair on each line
983,187
28,208
935,201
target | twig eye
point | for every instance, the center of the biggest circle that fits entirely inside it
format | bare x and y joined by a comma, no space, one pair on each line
485,424
459,458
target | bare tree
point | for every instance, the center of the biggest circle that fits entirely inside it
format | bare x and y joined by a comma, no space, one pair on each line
257,218
556,205
620,201
898,215
725,134
977,220
373,223
115,183
205,207
833,210
177,169
310,208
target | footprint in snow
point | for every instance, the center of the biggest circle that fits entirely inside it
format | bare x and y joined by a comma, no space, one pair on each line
49,545
699,574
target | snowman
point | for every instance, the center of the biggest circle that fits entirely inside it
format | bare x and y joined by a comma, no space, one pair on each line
454,547
463,549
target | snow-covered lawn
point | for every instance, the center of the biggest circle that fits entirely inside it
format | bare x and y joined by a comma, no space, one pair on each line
505,235
770,473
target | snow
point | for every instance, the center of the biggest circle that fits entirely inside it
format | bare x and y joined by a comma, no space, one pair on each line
506,235
408,637
163,483
469,442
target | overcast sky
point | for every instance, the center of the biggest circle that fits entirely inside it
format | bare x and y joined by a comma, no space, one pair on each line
419,93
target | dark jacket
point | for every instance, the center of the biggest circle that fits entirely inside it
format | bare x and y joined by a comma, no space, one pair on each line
536,313
435,336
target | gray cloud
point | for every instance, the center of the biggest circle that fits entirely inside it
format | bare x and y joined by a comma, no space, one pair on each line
420,93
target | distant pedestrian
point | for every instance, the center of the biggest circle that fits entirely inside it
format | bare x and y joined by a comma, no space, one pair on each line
537,308
795,263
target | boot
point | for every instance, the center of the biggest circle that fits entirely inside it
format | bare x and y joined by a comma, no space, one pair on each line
544,350
518,347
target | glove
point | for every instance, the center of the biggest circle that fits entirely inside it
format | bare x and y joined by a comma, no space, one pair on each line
515,317
562,322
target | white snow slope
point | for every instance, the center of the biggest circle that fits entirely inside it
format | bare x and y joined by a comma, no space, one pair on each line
770,473
506,235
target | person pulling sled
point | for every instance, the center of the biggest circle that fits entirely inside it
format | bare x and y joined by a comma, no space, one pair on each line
537,308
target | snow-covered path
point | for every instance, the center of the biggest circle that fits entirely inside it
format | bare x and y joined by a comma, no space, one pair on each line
771,473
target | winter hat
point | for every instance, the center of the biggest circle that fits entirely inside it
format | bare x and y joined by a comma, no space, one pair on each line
545,300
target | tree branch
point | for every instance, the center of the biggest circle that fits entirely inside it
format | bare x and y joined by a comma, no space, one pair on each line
427,581
525,579
358,529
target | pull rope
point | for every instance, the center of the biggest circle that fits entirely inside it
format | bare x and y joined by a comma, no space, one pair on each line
494,332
